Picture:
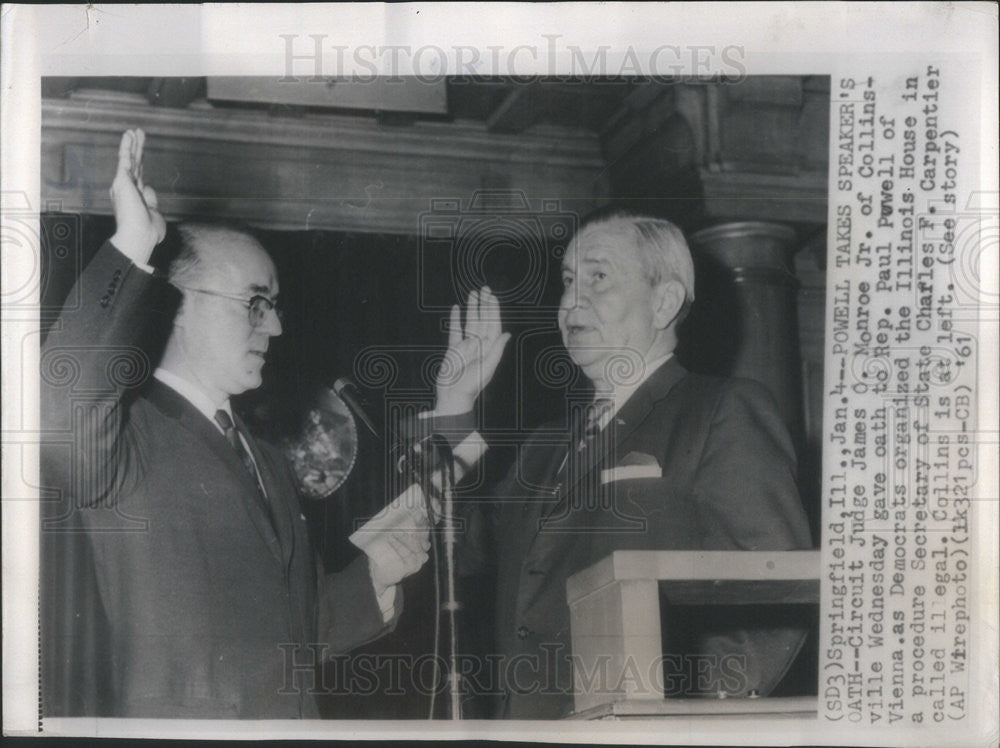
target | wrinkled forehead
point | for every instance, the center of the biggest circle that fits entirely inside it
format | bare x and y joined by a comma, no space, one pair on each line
240,265
601,243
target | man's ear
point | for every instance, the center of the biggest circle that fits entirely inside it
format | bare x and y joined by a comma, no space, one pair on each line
668,299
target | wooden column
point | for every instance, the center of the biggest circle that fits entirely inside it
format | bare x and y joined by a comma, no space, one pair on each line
745,322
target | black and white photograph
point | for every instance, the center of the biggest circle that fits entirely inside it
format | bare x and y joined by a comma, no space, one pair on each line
595,392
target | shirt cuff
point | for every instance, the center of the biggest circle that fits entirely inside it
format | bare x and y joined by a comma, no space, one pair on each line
468,453
453,428
144,267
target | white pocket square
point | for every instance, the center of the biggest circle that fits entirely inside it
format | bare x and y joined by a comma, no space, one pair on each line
626,472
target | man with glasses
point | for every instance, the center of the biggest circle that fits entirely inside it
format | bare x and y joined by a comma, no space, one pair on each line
205,597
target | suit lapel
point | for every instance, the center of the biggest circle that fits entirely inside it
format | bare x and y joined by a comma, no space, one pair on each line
631,415
544,474
173,405
638,407
275,497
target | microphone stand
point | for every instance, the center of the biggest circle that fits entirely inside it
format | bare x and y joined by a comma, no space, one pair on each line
422,468
451,604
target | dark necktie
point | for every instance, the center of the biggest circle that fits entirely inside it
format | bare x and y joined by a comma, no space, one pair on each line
592,426
577,459
585,434
233,437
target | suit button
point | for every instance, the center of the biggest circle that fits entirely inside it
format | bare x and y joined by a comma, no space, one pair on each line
117,275
522,632
104,301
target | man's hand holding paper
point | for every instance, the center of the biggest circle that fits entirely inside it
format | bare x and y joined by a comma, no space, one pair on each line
396,541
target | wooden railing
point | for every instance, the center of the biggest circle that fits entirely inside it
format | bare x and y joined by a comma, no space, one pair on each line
616,627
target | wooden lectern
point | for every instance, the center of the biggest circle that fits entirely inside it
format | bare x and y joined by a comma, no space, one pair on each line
617,635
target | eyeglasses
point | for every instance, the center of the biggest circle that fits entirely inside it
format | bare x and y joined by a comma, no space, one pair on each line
257,306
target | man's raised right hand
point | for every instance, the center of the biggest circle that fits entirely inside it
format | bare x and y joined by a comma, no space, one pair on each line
139,227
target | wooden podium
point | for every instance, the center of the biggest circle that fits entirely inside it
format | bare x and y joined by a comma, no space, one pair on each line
617,632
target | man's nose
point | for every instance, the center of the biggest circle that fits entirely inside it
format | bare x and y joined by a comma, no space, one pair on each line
272,323
572,298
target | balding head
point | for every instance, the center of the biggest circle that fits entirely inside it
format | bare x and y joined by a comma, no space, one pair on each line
208,250
216,343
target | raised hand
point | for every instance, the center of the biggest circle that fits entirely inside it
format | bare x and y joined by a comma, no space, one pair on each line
473,353
139,227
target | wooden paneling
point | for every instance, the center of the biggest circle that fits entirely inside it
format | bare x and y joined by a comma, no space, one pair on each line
794,198
758,148
401,94
315,171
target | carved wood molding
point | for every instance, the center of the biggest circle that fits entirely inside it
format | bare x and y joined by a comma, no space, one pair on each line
759,145
314,171
736,195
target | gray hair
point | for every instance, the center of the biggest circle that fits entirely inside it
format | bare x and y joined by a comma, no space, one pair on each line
663,250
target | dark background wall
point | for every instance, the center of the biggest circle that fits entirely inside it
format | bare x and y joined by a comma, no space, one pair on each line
339,197
341,294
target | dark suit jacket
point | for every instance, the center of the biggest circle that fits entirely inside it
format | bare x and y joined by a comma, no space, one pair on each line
728,482
205,601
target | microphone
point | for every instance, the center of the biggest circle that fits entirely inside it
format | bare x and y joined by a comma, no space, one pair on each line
347,391
420,457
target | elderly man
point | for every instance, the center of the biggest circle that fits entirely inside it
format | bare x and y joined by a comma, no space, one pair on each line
203,579
661,458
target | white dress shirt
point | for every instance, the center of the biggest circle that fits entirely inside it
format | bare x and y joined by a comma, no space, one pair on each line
620,394
203,403
194,395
